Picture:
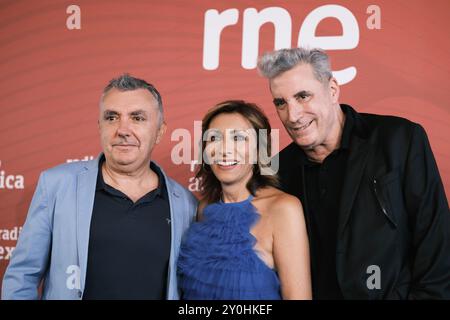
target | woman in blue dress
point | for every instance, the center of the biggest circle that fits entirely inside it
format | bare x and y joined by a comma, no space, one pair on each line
250,240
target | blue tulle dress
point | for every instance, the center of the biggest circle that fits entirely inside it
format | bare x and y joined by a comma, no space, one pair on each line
217,259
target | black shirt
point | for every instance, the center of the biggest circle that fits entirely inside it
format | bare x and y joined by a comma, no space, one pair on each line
323,182
129,243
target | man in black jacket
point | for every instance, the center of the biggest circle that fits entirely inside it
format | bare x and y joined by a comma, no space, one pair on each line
376,211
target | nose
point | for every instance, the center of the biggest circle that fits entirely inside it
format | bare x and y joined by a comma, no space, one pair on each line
295,111
123,130
226,147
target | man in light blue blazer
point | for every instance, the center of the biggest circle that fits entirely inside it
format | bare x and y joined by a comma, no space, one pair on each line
109,228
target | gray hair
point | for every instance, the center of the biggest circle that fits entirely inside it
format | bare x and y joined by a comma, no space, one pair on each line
125,82
274,63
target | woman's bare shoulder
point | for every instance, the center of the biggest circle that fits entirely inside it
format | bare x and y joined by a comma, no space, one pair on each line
279,203
285,214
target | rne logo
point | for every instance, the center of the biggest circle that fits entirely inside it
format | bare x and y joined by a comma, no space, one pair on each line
216,22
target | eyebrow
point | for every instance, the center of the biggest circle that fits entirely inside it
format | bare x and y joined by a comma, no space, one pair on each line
303,93
277,101
232,131
138,112
133,113
209,131
109,113
238,131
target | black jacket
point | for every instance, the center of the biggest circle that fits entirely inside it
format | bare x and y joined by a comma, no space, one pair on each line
393,213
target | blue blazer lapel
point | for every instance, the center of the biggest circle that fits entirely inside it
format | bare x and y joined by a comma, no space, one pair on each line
176,204
86,183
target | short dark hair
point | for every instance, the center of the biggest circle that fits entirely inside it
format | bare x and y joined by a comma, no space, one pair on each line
126,82
211,188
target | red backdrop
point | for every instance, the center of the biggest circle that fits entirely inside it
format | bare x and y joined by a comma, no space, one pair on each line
56,59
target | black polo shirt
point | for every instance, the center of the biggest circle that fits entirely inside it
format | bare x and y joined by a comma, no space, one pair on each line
323,183
129,243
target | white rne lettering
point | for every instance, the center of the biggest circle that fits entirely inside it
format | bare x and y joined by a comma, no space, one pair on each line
348,40
253,20
215,22
350,30
73,280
